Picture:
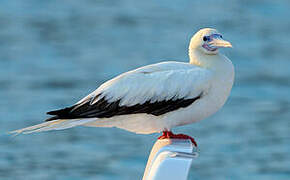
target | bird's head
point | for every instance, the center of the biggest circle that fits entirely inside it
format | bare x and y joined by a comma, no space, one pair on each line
208,41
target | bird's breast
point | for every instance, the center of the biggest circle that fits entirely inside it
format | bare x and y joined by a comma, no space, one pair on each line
221,86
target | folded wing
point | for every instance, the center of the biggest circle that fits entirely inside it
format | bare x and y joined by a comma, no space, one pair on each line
155,90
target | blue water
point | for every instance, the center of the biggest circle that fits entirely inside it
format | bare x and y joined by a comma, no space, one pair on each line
52,53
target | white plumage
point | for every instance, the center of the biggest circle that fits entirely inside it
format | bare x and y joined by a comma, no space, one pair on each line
208,78
157,82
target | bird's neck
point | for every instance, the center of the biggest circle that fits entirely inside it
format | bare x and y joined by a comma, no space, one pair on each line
215,62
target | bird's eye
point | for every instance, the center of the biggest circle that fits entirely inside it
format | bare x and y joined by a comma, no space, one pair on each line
205,38
221,36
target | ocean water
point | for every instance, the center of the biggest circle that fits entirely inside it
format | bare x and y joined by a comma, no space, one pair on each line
52,53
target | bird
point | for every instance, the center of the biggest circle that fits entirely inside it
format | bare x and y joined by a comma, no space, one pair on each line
157,97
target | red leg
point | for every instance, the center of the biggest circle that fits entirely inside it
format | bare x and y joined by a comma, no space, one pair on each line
164,135
170,135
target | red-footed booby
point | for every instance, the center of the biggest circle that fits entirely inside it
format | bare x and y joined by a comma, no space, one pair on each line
157,97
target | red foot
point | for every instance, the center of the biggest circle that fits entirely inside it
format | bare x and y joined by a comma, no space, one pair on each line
170,135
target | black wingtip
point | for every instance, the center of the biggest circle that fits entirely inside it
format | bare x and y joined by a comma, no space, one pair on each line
52,118
61,113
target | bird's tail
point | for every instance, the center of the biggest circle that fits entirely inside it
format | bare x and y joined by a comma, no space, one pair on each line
52,125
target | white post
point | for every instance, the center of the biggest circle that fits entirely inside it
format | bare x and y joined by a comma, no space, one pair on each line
170,159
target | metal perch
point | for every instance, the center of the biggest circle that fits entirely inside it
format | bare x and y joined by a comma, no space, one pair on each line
170,159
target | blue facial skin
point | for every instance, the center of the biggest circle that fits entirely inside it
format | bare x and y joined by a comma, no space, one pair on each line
209,38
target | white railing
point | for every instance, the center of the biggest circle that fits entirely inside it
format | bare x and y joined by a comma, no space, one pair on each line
170,159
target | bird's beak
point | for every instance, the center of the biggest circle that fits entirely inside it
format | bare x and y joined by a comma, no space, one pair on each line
218,42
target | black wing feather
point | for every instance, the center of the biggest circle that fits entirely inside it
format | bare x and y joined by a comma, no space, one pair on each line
104,109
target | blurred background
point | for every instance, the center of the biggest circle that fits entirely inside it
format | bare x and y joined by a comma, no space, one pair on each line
52,53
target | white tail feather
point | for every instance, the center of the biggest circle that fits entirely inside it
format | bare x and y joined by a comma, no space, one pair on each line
52,125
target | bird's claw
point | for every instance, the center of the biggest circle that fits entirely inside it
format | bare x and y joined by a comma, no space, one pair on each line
170,135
